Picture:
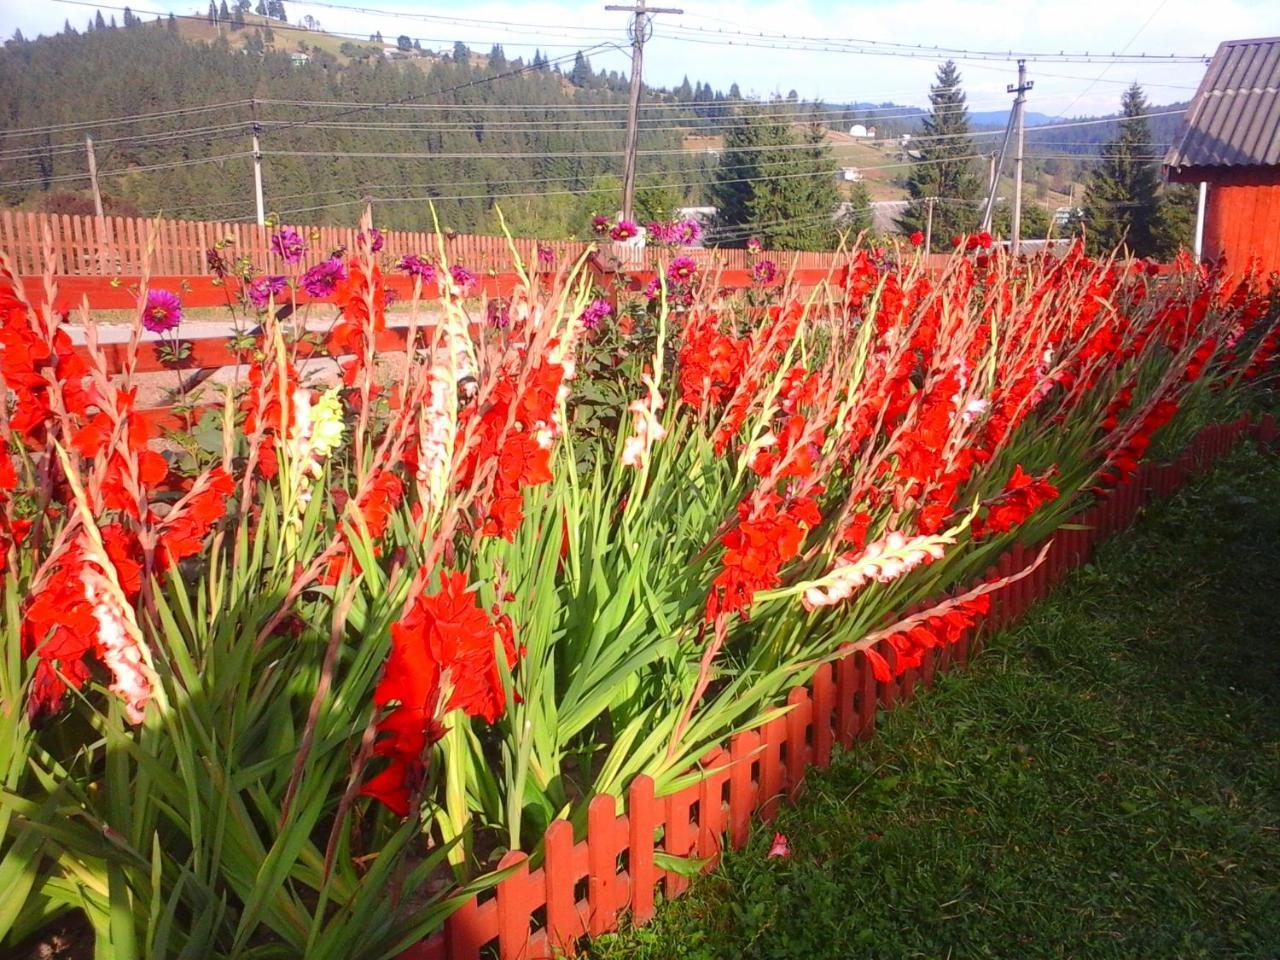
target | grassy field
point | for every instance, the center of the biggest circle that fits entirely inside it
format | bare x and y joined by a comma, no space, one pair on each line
1104,782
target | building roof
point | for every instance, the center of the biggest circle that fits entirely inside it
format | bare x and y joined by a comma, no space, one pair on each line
1234,120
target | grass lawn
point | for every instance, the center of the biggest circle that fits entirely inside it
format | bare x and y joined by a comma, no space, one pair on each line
1103,782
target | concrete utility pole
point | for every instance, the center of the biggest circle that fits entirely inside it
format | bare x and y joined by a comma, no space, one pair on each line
93,177
641,25
928,225
1019,110
257,167
997,167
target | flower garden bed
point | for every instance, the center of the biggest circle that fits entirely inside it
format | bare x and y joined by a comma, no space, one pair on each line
474,635
583,888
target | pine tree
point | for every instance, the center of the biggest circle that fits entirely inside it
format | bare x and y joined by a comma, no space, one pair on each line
1122,202
224,14
261,8
1176,223
944,169
129,18
173,23
98,22
776,183
580,75
461,54
68,29
213,12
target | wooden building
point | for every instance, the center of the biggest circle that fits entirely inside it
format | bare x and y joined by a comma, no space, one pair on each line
1231,143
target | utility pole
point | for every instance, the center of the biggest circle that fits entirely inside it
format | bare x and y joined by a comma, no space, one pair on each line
93,177
928,225
641,26
1019,109
997,167
257,167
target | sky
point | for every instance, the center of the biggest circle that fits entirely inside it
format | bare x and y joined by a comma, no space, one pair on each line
694,43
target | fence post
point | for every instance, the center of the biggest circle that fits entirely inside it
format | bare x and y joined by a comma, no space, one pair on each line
602,870
564,923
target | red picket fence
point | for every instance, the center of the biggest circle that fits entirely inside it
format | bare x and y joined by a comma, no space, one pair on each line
582,886
123,246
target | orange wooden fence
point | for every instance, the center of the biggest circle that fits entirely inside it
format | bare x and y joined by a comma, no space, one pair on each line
111,246
582,886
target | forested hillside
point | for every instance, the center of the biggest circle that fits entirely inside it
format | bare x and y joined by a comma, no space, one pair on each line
461,126
171,105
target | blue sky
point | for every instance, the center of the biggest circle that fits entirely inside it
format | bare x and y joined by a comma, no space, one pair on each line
691,44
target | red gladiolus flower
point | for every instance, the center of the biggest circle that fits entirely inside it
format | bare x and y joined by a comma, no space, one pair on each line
756,549
182,532
1022,496
917,238
442,658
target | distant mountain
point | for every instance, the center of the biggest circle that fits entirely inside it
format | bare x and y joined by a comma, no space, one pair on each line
998,118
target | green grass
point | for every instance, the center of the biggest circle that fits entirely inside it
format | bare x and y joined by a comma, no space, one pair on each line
1103,782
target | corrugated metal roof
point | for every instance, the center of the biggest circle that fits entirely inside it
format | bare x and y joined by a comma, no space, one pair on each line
1234,120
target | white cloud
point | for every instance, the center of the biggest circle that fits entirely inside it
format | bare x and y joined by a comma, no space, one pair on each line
1102,26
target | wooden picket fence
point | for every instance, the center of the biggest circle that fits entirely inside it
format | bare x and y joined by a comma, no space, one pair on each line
584,886
123,246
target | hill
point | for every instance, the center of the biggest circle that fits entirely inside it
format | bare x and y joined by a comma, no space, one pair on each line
171,105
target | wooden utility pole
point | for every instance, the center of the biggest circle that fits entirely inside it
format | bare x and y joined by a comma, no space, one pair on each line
93,177
257,167
641,26
1019,111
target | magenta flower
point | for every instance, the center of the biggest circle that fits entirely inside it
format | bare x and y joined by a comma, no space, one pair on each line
288,245
660,232
216,263
321,279
374,238
764,272
681,270
688,232
600,224
462,278
416,266
546,255
652,288
623,230
498,313
754,245
164,311
263,289
596,312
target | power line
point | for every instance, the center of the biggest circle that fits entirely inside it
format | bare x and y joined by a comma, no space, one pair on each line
898,48
125,172
112,121
583,192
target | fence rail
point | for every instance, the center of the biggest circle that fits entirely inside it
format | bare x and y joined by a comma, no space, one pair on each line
113,246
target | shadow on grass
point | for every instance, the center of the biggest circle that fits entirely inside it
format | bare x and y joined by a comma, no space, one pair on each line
1104,782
